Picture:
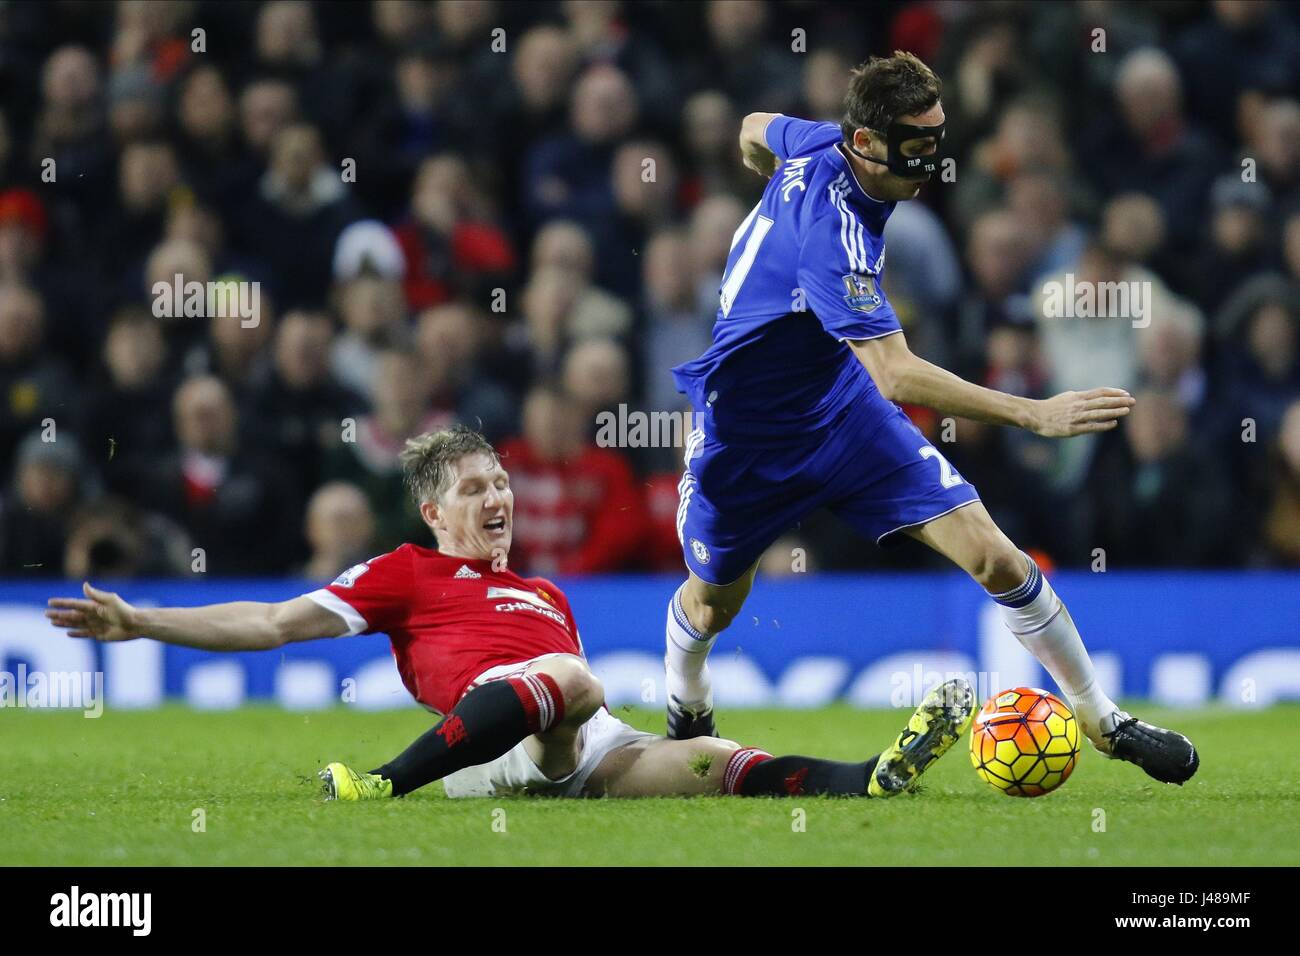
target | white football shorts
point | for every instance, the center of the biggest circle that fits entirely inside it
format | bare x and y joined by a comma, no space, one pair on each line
515,771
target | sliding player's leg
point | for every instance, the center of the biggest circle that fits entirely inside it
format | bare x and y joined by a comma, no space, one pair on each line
698,613
1040,621
659,767
542,704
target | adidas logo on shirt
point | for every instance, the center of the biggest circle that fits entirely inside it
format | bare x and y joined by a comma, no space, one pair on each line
467,572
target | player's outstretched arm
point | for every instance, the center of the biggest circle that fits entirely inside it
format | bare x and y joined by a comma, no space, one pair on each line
237,626
908,379
753,144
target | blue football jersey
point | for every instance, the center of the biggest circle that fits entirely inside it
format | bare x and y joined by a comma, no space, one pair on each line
802,277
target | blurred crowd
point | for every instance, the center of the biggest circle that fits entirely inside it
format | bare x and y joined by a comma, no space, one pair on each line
516,215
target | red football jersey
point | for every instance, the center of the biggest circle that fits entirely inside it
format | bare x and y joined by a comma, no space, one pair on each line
450,619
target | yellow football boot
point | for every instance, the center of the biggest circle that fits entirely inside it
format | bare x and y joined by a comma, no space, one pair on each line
936,725
344,783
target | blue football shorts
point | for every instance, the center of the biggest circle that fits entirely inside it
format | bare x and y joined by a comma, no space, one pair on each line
874,469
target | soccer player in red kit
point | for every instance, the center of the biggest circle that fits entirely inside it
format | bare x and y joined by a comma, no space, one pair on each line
500,658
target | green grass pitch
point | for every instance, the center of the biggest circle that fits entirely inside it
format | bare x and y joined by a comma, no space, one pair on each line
123,790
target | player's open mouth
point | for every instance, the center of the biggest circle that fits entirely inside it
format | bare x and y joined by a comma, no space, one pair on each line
495,525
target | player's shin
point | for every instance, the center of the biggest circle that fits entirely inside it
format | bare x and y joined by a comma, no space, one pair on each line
1042,624
487,723
687,650
751,772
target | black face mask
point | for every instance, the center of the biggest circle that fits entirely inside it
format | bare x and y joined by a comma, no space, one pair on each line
915,168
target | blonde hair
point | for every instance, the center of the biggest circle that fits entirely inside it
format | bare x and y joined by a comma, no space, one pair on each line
427,460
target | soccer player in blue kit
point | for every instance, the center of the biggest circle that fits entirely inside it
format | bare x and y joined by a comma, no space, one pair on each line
797,398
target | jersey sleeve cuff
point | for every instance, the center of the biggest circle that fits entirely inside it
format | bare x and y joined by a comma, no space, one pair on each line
848,337
767,135
332,602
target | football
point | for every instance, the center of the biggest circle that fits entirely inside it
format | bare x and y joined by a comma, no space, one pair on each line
1024,742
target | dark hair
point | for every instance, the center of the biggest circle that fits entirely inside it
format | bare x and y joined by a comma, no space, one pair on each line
885,88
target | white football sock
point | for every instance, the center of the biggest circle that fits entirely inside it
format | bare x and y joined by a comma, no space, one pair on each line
687,652
1042,624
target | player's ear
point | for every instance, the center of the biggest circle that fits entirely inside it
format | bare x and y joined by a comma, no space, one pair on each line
862,140
429,512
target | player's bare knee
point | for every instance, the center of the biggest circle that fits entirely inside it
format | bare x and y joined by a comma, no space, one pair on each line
581,690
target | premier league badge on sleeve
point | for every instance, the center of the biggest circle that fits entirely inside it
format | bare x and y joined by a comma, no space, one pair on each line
862,295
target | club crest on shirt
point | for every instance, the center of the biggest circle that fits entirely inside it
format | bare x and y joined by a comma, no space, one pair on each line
862,294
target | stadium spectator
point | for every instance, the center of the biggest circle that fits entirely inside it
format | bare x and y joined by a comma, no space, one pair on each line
1170,358
645,183
711,227
235,349
743,61
1028,136
208,144
535,344
1281,525
708,120
676,328
1278,145
147,175
503,197
596,376
565,245
1238,246
110,538
35,384
1259,336
295,216
296,412
368,455
374,319
1040,200
568,174
1152,146
448,341
999,253
24,260
126,416
234,503
924,280
450,243
1239,47
340,529
1157,500
50,481
577,506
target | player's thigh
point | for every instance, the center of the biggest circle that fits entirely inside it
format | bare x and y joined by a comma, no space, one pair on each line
971,539
659,767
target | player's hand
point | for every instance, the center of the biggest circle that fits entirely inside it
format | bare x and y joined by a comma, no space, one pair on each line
101,615
761,161
1078,413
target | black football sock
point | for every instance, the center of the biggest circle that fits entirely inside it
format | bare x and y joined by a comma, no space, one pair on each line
751,773
487,723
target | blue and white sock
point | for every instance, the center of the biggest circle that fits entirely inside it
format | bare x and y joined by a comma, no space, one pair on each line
1038,619
685,660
